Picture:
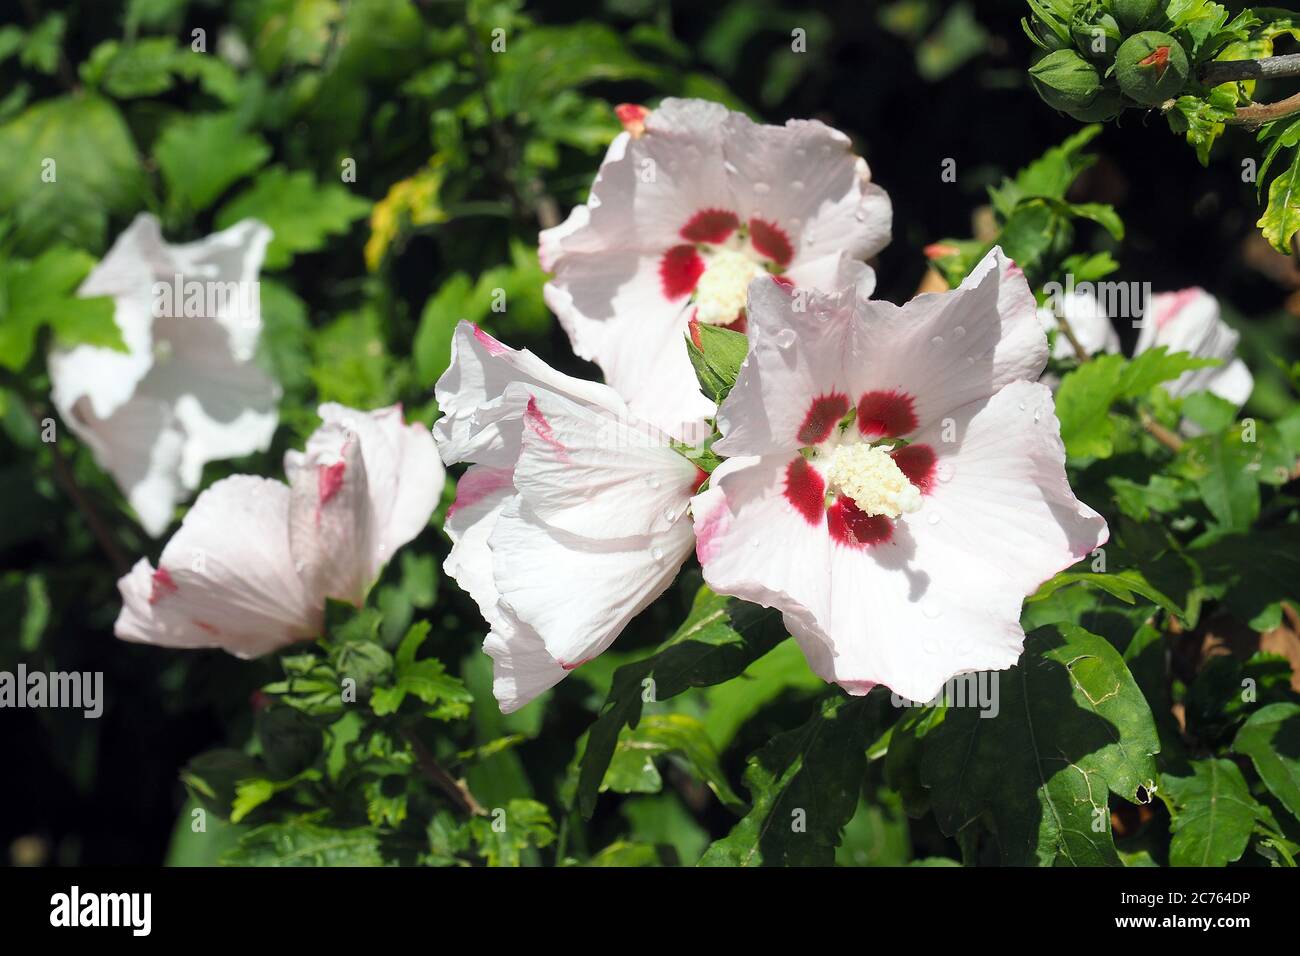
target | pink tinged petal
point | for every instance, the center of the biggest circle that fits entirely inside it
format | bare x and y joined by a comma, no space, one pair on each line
403,473
919,464
602,477
332,527
539,426
476,425
478,483
680,269
579,593
469,526
161,585
823,415
711,226
886,414
770,240
1169,306
226,579
805,490
493,347
1190,321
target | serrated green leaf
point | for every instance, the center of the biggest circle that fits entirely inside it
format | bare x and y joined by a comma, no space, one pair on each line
632,768
1281,216
304,842
507,831
302,213
202,156
804,786
718,640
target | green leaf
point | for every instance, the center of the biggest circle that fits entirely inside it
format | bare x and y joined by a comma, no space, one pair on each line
427,679
1224,476
43,292
1271,739
304,842
632,768
202,156
804,785
302,213
1050,176
1121,584
1213,814
719,639
68,198
1281,217
1083,405
1071,726
507,831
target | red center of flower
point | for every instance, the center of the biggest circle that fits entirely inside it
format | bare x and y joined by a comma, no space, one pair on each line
716,236
880,414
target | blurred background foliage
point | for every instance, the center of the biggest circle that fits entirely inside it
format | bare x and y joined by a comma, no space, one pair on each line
460,154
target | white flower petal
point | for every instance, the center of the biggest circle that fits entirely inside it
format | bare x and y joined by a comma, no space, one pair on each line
1190,321
594,475
521,668
226,579
1088,321
579,593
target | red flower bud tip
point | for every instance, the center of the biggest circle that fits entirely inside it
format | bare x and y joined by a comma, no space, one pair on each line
1159,58
937,250
632,116
694,326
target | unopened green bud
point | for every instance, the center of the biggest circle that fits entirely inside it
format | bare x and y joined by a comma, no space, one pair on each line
1065,80
1135,14
1151,68
1106,106
1098,41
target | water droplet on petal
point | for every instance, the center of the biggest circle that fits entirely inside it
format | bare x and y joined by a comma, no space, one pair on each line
762,188
1023,406
670,514
931,611
934,517
797,184
959,332
657,553
860,215
785,338
937,341
944,471
730,167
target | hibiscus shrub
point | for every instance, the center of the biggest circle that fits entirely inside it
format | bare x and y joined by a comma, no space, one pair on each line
489,442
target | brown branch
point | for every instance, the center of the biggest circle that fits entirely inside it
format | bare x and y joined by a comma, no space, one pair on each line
1257,114
66,480
440,778
1169,439
1064,327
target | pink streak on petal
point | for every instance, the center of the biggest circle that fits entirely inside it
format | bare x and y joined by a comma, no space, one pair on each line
1174,303
805,490
536,421
488,342
205,626
329,479
162,585
476,484
709,529
917,462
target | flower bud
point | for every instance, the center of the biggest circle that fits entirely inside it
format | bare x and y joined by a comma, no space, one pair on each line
1151,68
1098,41
1106,106
1065,80
1135,14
